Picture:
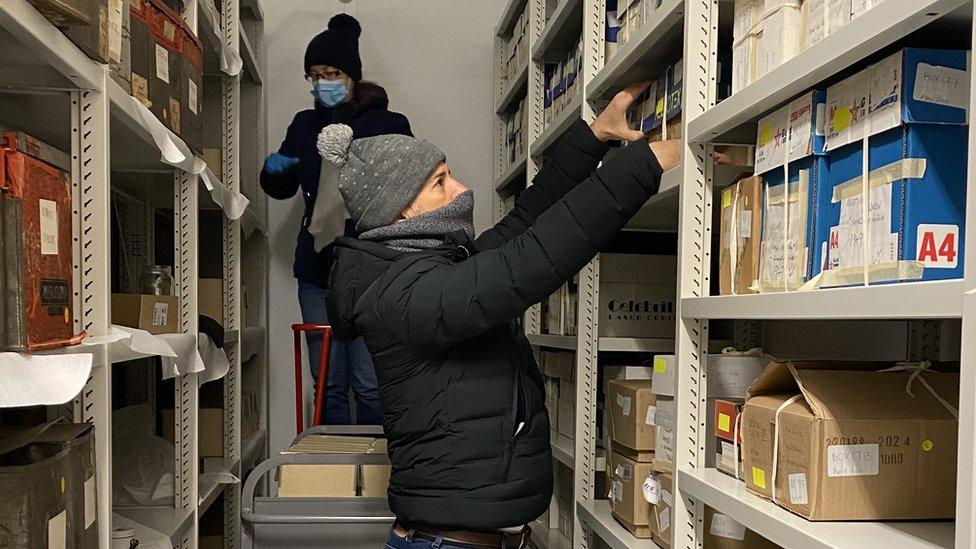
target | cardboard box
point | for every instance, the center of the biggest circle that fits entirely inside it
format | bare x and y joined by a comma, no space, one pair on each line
567,390
37,259
141,51
164,75
745,15
637,295
731,374
744,61
63,13
614,371
665,379
741,220
210,431
561,364
665,412
791,134
34,147
780,39
723,532
728,448
211,542
190,86
215,161
663,511
855,445
210,298
632,413
821,18
914,114
350,480
93,38
628,502
663,450
156,314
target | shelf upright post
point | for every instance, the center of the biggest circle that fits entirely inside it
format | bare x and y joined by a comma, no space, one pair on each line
694,266
231,137
91,246
533,102
498,128
965,474
587,314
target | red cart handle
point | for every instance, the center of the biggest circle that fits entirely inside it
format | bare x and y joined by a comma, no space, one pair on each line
317,415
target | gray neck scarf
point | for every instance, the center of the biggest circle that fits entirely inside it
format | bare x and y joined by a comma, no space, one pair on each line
429,229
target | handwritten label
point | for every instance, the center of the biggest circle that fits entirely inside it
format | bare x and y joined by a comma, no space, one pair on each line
652,490
160,314
798,489
115,30
192,100
49,227
624,403
162,63
852,460
664,520
651,415
727,527
941,85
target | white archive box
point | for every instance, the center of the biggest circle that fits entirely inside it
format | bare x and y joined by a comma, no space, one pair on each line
780,38
666,412
665,379
860,7
821,18
614,371
745,15
744,61
731,373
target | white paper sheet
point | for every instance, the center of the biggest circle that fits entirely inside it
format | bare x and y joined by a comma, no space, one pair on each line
232,203
214,358
187,360
34,380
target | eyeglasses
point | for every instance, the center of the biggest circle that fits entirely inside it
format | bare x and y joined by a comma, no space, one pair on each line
327,75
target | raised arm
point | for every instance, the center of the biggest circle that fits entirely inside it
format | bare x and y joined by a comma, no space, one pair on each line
438,305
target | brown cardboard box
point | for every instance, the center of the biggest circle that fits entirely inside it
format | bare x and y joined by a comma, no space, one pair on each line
855,445
724,532
663,511
632,409
63,13
119,51
210,430
210,298
567,419
211,542
335,480
93,39
742,215
726,454
156,314
190,88
32,146
141,51
215,161
164,57
627,500
637,295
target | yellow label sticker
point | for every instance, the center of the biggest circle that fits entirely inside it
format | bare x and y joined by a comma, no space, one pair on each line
727,197
67,315
659,108
842,119
765,133
927,445
660,366
759,477
62,485
724,422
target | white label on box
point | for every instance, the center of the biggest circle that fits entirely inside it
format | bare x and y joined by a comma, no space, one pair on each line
801,128
852,460
617,492
885,94
624,403
49,227
664,445
624,472
728,454
796,249
725,526
57,531
772,247
936,246
91,506
162,63
847,244
664,520
666,498
941,85
115,30
160,314
798,489
192,100
745,224
652,490
651,415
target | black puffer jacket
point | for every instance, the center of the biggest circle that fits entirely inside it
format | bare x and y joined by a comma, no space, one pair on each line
456,372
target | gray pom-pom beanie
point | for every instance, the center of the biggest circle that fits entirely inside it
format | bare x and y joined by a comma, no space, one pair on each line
378,176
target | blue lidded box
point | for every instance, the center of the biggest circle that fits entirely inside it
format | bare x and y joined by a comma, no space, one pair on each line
911,108
790,144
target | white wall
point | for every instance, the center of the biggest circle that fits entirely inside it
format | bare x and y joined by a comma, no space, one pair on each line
434,57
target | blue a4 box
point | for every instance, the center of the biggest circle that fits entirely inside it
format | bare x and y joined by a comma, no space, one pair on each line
909,113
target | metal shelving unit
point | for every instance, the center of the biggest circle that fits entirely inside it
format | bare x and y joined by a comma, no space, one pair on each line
108,132
690,29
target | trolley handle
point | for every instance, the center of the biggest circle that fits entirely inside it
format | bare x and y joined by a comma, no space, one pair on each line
263,468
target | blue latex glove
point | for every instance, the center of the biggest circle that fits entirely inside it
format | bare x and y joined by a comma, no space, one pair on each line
277,163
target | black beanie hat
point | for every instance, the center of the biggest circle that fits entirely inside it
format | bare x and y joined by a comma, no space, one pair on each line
337,46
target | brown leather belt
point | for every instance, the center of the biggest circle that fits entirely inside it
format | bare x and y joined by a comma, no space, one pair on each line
465,538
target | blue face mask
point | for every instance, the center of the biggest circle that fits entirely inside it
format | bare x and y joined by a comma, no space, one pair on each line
330,92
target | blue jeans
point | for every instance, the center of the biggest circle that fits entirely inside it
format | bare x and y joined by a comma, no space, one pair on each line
350,365
411,542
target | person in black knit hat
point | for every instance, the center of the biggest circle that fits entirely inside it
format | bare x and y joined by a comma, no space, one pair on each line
334,69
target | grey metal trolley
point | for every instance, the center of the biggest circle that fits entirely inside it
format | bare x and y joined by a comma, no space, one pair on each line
272,522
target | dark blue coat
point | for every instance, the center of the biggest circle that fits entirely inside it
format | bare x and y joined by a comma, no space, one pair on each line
367,115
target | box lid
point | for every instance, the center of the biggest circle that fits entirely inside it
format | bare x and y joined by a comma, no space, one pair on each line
797,129
838,390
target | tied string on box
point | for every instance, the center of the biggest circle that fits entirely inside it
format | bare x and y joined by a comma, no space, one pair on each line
916,369
737,425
